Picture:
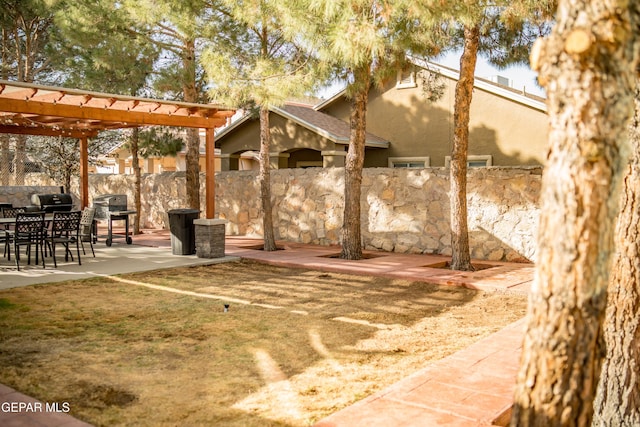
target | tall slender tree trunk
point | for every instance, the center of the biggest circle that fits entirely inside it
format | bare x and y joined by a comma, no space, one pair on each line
135,164
192,157
354,162
5,159
460,255
588,66
265,181
192,160
618,398
19,159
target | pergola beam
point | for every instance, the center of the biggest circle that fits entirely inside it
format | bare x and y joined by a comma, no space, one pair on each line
31,109
39,131
127,118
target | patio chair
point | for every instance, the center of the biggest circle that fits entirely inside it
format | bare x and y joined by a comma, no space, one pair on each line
11,212
87,229
8,211
65,230
29,231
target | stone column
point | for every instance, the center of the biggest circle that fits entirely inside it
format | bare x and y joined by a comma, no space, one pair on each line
229,162
210,235
279,160
121,166
333,158
150,165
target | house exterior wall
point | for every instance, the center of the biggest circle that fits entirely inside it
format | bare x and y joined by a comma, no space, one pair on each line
286,137
121,162
512,133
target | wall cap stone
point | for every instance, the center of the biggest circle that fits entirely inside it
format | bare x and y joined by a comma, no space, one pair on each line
210,221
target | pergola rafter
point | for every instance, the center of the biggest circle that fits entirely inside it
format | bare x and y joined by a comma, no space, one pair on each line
31,109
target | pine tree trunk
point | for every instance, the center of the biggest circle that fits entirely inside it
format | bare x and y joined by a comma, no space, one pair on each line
618,399
460,255
20,159
265,181
192,160
192,156
588,71
354,162
5,160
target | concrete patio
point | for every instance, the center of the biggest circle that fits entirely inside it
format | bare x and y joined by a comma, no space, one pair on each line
149,252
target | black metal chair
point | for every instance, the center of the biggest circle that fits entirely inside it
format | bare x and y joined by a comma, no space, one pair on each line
65,230
87,228
9,211
30,231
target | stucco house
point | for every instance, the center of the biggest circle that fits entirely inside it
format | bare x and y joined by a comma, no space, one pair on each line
118,160
405,129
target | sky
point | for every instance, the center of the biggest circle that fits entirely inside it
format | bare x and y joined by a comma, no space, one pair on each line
520,76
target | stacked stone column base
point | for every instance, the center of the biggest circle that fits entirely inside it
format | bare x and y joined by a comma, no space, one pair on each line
210,235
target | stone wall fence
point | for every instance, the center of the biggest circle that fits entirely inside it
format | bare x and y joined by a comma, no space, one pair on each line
403,210
20,195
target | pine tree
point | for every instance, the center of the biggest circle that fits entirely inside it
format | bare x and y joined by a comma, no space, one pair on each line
366,42
588,65
617,401
103,54
255,65
26,56
178,28
502,30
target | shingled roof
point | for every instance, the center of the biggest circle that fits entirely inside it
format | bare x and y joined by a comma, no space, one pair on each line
321,123
325,125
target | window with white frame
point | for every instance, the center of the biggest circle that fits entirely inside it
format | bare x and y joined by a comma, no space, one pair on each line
473,161
406,79
409,162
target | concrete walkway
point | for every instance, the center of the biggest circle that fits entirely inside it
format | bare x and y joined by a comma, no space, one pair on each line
150,251
473,387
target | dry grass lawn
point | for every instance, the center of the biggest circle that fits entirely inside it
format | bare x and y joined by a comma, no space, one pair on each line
158,348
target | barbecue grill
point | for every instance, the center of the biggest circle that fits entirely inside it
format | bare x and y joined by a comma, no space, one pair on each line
113,207
52,202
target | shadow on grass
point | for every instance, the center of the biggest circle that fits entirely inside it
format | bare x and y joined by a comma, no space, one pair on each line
292,347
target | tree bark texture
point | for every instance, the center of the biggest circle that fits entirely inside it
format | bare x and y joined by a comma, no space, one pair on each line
460,256
20,159
5,159
618,398
192,160
265,181
588,67
354,162
192,156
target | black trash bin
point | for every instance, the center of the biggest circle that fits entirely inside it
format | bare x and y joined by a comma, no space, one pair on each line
183,239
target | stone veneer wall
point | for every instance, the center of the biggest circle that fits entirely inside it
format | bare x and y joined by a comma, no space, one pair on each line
403,210
20,195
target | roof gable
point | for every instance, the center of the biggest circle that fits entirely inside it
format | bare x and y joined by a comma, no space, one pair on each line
497,89
325,125
321,123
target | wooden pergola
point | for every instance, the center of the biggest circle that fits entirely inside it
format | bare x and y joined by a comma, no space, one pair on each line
55,111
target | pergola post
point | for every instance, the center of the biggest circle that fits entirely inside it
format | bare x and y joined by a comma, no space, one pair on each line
84,172
210,232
